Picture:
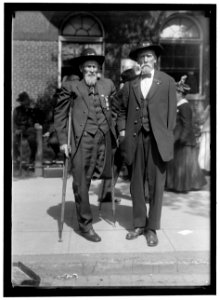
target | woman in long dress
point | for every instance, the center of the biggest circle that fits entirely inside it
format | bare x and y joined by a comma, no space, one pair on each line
183,172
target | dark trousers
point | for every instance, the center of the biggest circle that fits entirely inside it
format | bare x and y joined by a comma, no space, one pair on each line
105,190
147,165
30,135
88,161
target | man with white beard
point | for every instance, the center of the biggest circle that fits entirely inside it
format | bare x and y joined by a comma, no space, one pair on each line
93,135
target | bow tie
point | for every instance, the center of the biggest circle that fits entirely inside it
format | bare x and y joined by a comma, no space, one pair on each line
143,76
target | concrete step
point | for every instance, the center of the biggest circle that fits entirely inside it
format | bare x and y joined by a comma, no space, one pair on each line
119,269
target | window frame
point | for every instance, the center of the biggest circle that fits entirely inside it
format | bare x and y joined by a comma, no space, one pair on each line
194,41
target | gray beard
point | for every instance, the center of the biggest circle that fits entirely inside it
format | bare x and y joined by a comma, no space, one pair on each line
90,80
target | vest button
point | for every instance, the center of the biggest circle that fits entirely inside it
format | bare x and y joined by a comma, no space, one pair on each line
137,108
135,122
134,134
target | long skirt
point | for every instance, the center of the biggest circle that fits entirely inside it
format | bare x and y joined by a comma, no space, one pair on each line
183,172
204,151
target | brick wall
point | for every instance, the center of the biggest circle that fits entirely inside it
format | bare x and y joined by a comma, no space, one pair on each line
34,63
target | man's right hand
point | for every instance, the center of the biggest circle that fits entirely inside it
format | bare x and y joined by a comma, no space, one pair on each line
65,149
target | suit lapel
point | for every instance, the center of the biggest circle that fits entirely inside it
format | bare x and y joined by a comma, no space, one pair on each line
136,84
155,85
83,91
100,88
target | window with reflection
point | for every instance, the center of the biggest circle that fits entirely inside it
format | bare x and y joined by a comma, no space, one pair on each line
182,42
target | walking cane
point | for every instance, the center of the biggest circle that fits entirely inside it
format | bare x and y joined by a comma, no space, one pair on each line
65,174
101,194
113,193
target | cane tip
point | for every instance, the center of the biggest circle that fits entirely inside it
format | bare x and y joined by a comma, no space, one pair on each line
60,240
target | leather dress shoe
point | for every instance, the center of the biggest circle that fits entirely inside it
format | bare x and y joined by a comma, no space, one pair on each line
131,235
91,235
151,237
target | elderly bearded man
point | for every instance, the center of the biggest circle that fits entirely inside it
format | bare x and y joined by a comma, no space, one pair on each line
93,132
146,122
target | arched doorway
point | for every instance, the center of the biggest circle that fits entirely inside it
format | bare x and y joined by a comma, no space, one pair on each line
77,32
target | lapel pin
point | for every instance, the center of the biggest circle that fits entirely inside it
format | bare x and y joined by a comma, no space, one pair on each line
157,81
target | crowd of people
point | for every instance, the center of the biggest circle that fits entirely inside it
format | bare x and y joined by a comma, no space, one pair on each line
145,127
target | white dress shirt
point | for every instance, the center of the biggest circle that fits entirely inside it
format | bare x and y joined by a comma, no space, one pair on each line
146,84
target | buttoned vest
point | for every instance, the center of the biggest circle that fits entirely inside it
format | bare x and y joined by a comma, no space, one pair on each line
145,122
96,118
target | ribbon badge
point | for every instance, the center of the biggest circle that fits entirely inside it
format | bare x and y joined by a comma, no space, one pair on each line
105,102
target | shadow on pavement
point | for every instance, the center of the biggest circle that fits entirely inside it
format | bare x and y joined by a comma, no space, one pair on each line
123,214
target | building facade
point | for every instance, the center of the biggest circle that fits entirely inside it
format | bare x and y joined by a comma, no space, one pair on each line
45,41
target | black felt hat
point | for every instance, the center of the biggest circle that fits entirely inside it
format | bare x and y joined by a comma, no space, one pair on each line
23,97
88,54
158,49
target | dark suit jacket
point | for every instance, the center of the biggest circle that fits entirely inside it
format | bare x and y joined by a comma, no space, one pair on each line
184,133
75,92
162,115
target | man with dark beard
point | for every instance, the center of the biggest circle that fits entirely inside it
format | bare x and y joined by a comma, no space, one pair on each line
146,121
93,132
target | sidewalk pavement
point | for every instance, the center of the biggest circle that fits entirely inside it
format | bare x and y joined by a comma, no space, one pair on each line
182,256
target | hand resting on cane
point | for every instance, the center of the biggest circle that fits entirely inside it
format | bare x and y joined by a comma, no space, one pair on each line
65,149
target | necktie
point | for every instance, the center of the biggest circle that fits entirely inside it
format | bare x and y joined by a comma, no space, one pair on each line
91,90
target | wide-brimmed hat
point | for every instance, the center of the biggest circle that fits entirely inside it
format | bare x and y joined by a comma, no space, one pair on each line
158,49
88,54
23,97
181,86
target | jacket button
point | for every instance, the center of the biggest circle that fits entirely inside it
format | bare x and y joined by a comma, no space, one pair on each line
137,108
134,134
135,122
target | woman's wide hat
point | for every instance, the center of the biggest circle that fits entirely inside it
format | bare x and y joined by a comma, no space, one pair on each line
88,54
158,49
181,86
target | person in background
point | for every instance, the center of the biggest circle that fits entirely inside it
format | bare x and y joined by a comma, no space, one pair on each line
93,135
183,172
146,121
24,120
51,136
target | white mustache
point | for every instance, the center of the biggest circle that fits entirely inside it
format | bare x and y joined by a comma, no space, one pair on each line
145,65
